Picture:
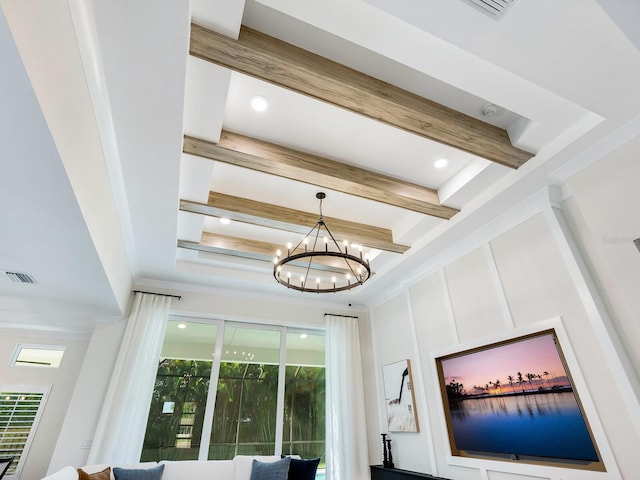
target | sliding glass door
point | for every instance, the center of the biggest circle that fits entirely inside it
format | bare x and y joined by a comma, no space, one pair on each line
269,395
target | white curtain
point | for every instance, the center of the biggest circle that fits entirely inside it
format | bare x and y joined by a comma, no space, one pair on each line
123,420
346,439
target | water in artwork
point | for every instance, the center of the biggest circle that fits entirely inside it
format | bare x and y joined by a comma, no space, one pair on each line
542,425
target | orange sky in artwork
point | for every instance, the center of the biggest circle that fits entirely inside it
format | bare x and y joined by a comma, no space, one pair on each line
532,355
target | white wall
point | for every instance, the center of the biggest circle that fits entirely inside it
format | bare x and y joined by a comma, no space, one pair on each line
604,211
520,280
86,397
61,380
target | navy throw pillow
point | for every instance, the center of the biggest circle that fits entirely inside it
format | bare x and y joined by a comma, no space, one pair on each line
154,473
277,470
303,469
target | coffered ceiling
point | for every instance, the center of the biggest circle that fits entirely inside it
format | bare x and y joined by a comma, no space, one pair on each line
363,98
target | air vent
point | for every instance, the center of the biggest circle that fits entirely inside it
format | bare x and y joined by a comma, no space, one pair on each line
16,277
494,8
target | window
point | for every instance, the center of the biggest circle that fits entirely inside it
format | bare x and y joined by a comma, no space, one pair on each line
304,407
20,410
45,356
244,418
269,397
176,415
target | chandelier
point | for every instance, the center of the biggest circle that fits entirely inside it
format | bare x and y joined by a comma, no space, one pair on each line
317,249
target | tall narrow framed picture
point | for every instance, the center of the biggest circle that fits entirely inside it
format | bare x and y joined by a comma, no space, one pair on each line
515,400
399,398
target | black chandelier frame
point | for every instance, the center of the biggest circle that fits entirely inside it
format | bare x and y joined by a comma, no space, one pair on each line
305,260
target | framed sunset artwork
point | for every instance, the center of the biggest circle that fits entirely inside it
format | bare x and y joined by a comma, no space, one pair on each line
515,401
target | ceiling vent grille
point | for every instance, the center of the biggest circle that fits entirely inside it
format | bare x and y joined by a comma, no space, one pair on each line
16,277
494,8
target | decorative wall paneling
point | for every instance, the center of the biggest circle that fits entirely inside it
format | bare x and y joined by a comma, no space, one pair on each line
421,303
596,312
419,387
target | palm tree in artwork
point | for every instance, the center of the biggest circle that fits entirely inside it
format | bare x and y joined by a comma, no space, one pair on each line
521,381
531,377
497,385
511,379
546,376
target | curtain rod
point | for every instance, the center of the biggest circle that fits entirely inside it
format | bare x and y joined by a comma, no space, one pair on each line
161,294
337,315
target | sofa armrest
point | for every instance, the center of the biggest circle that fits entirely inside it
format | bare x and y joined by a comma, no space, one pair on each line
65,473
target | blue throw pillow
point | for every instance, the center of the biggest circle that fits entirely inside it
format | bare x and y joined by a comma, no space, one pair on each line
303,469
277,470
154,473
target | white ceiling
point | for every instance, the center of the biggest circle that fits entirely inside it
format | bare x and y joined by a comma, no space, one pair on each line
97,96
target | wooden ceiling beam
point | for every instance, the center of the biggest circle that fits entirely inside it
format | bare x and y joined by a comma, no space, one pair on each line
291,67
296,221
285,162
256,250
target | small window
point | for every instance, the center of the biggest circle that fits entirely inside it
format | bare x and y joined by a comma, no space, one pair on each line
45,356
20,410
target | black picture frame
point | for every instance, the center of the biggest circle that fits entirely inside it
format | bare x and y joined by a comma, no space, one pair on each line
525,409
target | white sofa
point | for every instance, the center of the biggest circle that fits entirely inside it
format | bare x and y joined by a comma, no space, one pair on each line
237,469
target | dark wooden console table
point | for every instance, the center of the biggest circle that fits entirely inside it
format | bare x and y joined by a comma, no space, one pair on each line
378,472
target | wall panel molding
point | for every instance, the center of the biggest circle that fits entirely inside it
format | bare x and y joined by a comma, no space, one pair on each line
421,400
597,314
497,282
520,213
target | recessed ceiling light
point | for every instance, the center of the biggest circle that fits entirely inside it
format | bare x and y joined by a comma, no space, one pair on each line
182,326
441,163
225,221
259,103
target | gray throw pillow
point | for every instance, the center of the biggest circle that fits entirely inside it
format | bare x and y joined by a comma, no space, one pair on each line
154,473
277,470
